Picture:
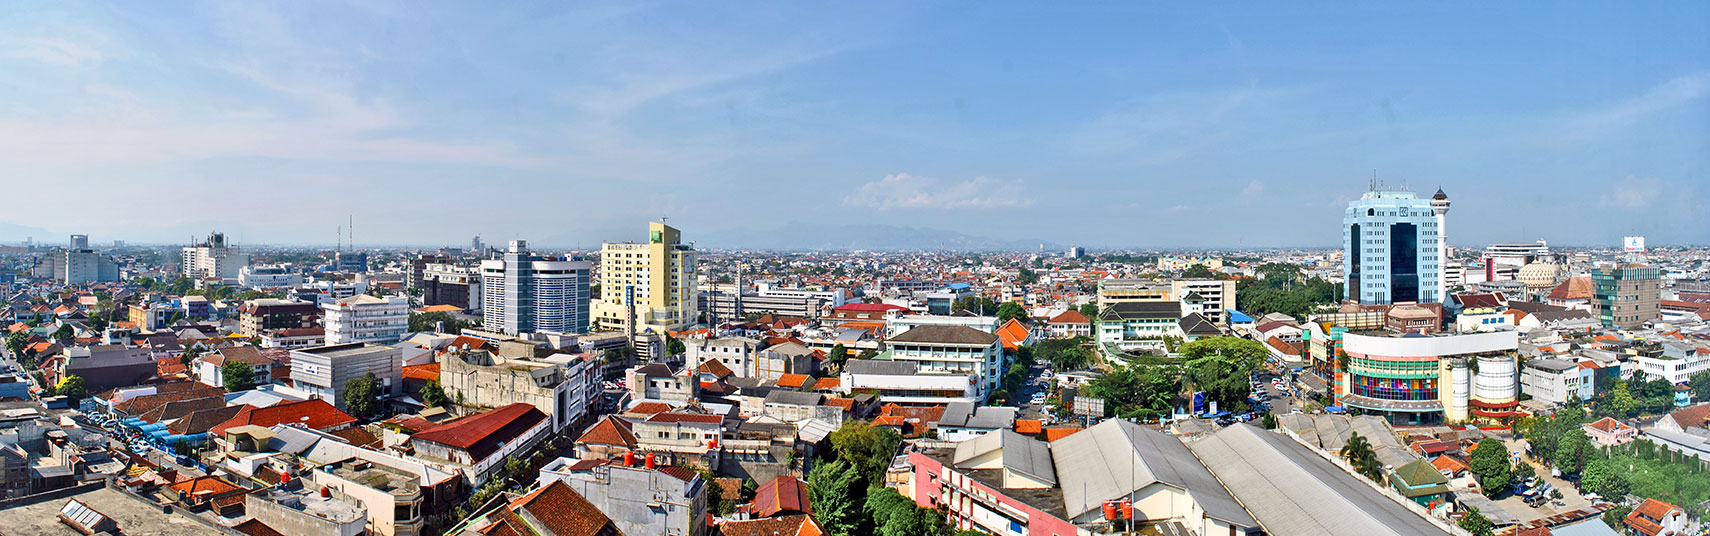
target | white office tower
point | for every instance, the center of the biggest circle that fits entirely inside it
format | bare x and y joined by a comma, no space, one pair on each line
1440,206
213,259
524,293
1391,248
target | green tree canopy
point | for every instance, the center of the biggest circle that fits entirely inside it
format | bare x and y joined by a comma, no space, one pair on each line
362,396
839,354
892,514
238,376
1221,366
1605,477
1489,461
836,491
1089,310
1359,454
433,394
1198,271
868,448
429,322
1476,523
1011,311
1138,390
72,387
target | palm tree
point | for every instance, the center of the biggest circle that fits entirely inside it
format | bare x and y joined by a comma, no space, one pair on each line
1359,453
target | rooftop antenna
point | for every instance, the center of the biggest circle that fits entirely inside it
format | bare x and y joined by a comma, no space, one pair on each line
339,241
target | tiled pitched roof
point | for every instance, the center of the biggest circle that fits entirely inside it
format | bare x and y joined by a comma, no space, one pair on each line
797,525
827,383
316,414
1012,333
1698,415
563,512
847,404
201,421
793,381
680,473
686,417
1450,465
715,368
1058,432
422,373
254,527
609,431
359,436
648,408
1070,316
953,334
1608,424
782,495
1029,426
482,433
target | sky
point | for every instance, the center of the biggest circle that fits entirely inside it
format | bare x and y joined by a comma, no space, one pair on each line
1100,124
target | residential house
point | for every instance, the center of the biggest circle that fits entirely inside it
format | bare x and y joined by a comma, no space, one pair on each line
651,499
1608,432
1656,518
478,444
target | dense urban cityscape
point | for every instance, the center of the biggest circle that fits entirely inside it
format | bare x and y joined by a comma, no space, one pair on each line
794,269
648,387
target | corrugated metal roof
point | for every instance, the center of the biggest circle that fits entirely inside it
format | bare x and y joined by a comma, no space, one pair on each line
1294,491
1117,457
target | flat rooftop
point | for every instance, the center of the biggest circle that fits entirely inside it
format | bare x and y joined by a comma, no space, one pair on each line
134,516
375,476
1048,500
344,350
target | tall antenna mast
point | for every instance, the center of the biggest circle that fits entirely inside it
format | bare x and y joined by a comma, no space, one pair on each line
352,230
340,240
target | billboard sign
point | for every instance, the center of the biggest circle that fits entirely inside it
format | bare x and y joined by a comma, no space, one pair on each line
1633,244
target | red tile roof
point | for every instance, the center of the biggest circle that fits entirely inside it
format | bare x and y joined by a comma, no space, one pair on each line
782,495
563,512
870,307
847,404
1608,424
1029,426
1058,432
1070,316
794,381
316,414
1648,516
422,373
686,417
441,308
482,433
827,383
254,527
715,368
648,408
1450,464
1012,333
609,431
798,525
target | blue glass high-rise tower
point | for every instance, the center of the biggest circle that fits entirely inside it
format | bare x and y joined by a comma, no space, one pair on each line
1392,245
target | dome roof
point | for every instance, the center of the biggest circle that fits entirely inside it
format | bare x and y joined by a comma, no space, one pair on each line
1539,274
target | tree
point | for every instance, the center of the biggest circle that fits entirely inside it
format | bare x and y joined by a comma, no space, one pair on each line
431,322
1700,384
1605,477
1027,277
1621,402
72,387
892,514
1089,310
1359,454
674,346
716,502
1138,390
1011,311
1616,518
1269,421
1572,450
16,341
433,394
839,354
1489,461
64,333
238,376
835,490
868,354
866,447
362,396
1197,271
1221,366
1523,471
974,304
1476,523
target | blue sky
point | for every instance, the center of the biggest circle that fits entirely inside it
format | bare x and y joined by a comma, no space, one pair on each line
1131,124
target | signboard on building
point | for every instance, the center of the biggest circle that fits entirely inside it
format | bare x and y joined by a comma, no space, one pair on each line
1633,244
1088,406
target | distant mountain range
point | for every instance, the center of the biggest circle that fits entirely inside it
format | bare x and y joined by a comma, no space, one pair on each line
869,236
11,233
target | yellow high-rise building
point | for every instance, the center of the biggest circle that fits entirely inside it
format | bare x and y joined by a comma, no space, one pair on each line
653,281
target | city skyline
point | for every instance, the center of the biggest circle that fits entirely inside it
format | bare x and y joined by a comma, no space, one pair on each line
1128,127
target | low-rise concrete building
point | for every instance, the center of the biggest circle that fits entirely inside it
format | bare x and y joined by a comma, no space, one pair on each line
324,371
638,499
304,512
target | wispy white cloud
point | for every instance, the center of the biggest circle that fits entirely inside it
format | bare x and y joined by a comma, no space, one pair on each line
1169,126
1657,99
52,51
1635,193
905,191
1253,188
